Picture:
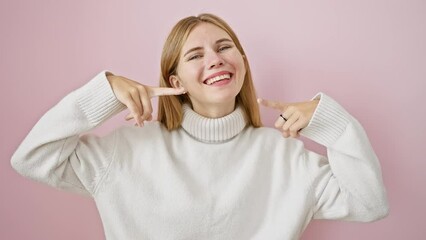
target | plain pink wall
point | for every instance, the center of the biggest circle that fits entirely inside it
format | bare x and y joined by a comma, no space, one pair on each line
370,55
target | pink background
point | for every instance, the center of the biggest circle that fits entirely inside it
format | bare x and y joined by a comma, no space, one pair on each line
370,55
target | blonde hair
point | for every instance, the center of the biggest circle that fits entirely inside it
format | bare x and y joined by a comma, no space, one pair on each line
170,107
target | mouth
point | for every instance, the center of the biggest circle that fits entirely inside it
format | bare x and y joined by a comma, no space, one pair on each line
218,78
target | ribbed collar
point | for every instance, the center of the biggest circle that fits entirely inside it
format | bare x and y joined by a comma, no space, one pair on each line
213,130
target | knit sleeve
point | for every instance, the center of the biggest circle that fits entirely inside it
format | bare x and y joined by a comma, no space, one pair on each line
56,153
347,184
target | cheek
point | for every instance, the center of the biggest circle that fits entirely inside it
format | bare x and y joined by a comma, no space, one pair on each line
189,75
242,68
237,61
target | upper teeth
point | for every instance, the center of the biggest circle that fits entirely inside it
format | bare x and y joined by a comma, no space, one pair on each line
217,78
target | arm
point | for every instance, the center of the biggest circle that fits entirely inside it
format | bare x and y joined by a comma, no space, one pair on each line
53,151
348,185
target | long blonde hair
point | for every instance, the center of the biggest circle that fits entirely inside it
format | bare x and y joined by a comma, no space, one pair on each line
170,107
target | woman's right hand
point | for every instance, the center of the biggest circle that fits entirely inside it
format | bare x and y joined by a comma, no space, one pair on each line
137,97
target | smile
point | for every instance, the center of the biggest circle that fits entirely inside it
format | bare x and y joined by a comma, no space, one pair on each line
219,78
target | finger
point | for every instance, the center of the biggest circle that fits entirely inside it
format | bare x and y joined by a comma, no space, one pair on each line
131,104
283,118
279,122
295,129
293,134
285,134
136,97
288,125
162,91
146,104
272,104
290,121
134,111
128,117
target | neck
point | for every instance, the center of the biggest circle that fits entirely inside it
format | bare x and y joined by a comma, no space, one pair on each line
214,110
213,130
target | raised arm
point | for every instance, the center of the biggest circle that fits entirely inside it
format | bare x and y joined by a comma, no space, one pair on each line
55,153
347,184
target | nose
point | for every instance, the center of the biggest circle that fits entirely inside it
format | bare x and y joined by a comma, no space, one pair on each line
214,60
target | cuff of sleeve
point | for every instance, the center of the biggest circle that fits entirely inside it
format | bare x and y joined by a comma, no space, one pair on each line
328,122
97,100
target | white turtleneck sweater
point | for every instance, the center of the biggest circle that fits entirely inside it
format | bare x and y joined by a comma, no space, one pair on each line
209,179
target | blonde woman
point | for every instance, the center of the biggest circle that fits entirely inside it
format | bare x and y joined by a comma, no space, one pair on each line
207,169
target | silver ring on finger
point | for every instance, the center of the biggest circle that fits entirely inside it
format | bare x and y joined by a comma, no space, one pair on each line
285,119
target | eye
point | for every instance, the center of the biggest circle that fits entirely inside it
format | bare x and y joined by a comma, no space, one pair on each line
195,56
223,48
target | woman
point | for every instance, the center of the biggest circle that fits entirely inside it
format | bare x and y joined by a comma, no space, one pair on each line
206,169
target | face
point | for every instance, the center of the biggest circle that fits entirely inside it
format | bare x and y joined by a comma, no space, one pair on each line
210,68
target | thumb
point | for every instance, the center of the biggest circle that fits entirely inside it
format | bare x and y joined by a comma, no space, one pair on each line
164,91
272,104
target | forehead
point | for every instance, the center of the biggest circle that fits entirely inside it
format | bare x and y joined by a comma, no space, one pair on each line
204,33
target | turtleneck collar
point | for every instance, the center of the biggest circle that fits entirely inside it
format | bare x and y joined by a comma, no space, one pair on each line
213,130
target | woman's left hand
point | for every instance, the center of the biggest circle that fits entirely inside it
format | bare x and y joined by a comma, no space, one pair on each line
294,116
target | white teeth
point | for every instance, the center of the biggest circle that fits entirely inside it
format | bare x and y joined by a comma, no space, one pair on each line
217,78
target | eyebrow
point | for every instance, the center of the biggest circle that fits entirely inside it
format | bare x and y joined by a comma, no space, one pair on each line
198,48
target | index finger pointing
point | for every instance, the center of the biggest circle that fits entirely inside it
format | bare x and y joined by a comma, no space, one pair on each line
164,91
272,104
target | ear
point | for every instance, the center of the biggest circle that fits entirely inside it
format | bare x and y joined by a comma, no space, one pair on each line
175,81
